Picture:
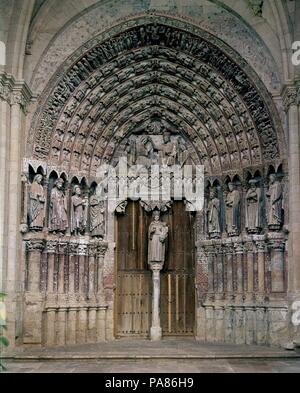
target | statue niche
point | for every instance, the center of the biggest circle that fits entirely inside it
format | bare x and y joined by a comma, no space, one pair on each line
37,204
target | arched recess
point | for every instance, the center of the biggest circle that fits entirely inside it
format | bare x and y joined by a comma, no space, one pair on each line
195,82
146,79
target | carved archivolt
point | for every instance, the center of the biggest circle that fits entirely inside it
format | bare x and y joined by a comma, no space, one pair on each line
149,72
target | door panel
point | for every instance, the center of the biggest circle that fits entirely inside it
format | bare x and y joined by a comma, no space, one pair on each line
134,280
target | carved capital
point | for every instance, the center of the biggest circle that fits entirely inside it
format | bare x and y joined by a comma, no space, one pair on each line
63,248
260,247
256,6
51,247
14,92
277,245
239,248
37,245
291,96
101,249
73,248
156,266
83,249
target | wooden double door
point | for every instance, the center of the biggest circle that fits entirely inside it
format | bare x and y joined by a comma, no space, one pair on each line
134,279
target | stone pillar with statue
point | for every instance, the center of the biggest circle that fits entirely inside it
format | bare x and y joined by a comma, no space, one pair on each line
158,233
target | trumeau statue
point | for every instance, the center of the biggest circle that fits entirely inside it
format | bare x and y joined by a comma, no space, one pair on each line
253,204
213,209
78,212
58,208
37,204
233,211
158,234
97,213
275,194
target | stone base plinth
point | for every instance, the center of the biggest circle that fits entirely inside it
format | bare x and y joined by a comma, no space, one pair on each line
155,334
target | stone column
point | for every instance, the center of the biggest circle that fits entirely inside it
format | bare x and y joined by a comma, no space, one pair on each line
101,323
92,325
61,326
34,250
73,249
229,257
33,298
101,251
250,271
239,250
155,331
261,249
62,250
82,252
92,272
291,101
50,327
71,326
210,254
82,326
17,96
51,251
277,265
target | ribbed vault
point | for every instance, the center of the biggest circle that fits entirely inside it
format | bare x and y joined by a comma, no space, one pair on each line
157,71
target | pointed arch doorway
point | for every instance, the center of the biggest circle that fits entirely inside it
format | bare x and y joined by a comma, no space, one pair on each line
134,282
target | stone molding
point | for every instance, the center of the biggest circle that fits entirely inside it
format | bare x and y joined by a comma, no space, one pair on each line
15,91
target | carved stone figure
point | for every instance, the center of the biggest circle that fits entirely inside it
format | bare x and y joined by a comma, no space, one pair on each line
78,212
233,204
97,213
144,151
256,6
275,194
214,206
253,204
58,208
37,204
168,151
158,233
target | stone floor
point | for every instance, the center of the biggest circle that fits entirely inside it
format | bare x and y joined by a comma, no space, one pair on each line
142,356
156,366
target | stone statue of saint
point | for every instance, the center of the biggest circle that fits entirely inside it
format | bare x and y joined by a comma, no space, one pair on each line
78,212
253,204
214,207
97,213
233,205
37,204
275,194
168,151
144,151
58,208
158,234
